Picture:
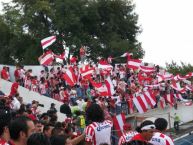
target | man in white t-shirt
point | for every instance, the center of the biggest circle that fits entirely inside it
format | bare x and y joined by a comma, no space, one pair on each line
80,103
159,138
99,131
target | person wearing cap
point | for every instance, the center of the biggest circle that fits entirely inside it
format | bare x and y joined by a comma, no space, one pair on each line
128,134
5,118
159,138
146,130
52,107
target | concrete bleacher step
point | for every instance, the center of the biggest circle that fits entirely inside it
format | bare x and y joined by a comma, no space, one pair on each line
28,96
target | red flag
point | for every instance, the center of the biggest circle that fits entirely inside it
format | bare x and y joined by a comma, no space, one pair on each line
133,63
150,98
48,41
162,103
109,86
147,69
86,71
47,58
140,104
70,76
118,122
130,104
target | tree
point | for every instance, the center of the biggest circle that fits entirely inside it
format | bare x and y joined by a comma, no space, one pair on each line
106,27
181,69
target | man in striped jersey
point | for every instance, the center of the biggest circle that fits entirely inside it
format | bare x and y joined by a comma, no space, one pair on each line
159,138
127,135
99,130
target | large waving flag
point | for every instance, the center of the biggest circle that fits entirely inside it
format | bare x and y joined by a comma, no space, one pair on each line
47,58
48,41
133,63
70,77
86,71
140,103
103,64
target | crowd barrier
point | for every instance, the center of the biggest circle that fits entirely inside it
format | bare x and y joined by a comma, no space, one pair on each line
184,112
28,96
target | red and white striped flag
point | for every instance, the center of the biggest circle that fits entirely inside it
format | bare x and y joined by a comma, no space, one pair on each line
177,87
179,97
178,77
86,71
131,105
162,103
103,64
100,88
47,58
190,74
140,103
147,69
109,85
150,98
170,99
189,87
48,41
61,56
118,122
70,77
134,63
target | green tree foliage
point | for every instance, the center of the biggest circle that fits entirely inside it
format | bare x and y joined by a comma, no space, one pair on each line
181,69
106,27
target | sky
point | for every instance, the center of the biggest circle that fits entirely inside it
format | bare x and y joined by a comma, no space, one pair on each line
167,30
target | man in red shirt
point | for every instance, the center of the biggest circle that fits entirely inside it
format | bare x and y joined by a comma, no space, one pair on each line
17,73
4,74
14,89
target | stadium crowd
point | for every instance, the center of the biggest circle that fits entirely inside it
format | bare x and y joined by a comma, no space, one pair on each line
88,109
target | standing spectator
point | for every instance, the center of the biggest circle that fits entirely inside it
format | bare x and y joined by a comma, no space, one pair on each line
80,121
146,130
42,87
17,73
53,107
80,103
14,89
176,122
73,95
66,109
159,138
99,131
4,73
20,129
